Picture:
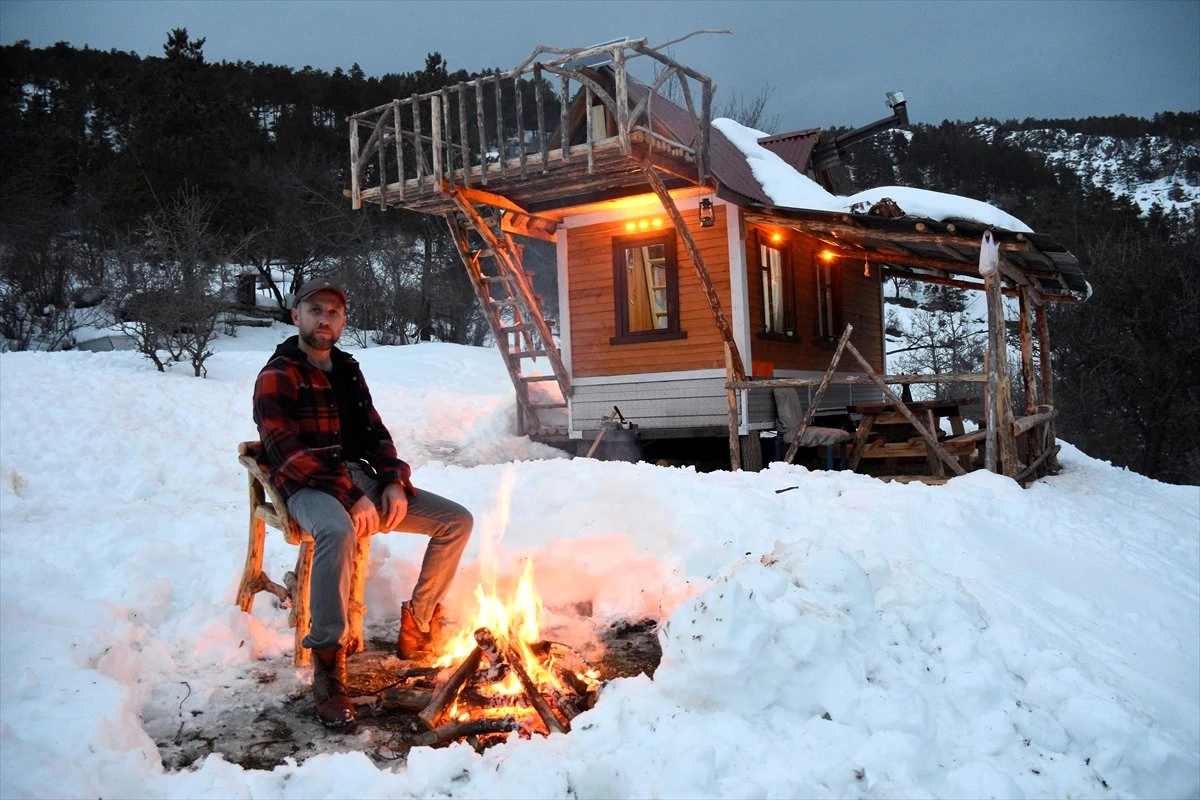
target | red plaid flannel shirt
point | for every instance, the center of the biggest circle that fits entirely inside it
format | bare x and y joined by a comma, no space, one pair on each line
297,418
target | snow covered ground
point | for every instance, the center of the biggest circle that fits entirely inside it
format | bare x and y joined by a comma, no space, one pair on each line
848,638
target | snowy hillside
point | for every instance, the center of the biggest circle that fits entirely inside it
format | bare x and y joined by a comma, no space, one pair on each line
1147,169
845,638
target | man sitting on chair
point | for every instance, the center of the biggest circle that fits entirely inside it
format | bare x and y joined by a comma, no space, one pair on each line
327,450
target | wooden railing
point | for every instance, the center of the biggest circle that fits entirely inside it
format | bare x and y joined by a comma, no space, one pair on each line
476,131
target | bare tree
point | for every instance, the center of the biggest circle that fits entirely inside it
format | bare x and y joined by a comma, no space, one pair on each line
171,285
940,337
752,111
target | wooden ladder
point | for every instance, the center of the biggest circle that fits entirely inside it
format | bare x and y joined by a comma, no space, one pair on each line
512,309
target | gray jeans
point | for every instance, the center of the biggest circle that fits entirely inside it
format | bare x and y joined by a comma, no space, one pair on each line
446,523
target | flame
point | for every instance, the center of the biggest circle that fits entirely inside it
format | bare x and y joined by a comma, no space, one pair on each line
514,620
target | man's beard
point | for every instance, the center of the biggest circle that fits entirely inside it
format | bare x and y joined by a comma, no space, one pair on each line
318,340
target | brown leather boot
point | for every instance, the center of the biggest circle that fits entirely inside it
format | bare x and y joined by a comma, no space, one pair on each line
334,709
414,644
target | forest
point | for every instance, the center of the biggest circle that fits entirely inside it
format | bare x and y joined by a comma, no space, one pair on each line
151,187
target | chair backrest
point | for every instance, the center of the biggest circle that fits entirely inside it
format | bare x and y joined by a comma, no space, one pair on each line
267,503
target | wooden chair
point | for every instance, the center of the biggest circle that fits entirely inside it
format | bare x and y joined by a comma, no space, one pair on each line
268,508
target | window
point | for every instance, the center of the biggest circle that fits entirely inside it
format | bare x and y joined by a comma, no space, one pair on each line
646,283
777,306
829,299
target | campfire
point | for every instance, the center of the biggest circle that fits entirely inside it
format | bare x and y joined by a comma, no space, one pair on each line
496,676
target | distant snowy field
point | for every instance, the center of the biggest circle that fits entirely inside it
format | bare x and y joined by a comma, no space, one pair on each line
849,638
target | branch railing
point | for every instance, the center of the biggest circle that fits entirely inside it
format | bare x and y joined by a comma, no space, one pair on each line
1034,430
478,131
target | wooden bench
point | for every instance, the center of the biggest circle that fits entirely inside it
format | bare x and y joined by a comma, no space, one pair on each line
268,508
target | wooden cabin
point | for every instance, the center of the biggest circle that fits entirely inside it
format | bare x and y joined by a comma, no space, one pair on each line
688,297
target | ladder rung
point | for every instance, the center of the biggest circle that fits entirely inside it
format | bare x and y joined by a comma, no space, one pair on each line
548,405
497,278
524,326
533,378
526,353
508,302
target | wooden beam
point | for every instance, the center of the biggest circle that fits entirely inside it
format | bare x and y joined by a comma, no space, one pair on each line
735,449
1047,375
714,301
857,380
1023,425
930,439
355,178
1027,374
999,385
798,434
846,227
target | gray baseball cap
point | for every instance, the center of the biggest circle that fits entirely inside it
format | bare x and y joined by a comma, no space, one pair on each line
315,285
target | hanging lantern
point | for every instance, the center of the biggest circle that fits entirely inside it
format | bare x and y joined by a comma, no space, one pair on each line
707,217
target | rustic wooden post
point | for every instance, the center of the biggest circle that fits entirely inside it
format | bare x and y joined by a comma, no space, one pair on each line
382,167
565,118
399,147
1044,364
480,131
541,115
463,128
500,142
520,119
355,188
735,450
1027,372
435,131
588,128
622,110
418,145
999,388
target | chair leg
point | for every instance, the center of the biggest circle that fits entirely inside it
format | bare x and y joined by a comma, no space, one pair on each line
357,609
301,615
252,572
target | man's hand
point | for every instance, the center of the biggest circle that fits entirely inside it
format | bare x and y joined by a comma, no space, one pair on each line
395,505
365,516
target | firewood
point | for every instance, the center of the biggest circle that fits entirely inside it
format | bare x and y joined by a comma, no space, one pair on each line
454,731
504,652
497,665
445,693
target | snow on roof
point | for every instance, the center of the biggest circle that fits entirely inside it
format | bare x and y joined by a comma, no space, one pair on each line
790,188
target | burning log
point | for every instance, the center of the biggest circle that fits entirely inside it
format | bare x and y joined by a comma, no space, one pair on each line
497,664
445,693
504,653
454,731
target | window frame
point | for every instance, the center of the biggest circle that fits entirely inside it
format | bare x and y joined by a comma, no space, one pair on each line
620,246
830,317
790,333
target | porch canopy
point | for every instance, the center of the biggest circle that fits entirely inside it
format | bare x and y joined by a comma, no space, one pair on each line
942,252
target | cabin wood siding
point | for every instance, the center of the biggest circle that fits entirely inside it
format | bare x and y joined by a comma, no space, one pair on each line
861,304
591,299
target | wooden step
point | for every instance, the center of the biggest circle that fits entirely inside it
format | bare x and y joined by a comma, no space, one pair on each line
508,302
525,353
497,278
519,328
548,405
536,378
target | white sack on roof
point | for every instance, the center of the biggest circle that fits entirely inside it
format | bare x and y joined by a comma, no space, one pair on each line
791,189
